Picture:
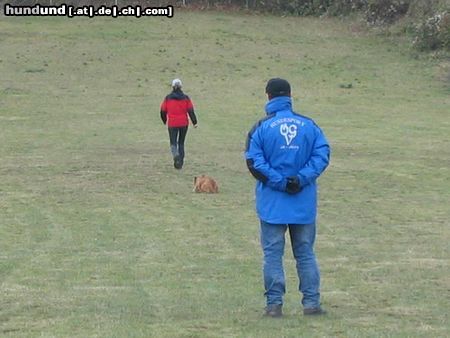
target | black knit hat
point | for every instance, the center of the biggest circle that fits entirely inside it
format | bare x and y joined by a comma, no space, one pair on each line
278,87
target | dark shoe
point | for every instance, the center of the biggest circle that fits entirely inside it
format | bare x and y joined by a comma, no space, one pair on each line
274,311
177,162
315,311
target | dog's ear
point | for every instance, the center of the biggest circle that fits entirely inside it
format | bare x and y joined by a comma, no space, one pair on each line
195,179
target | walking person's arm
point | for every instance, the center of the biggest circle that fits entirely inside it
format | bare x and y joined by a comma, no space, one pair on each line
192,117
190,110
163,111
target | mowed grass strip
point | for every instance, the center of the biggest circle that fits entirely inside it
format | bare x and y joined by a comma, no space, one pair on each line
101,237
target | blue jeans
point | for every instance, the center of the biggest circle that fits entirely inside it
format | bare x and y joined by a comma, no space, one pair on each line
302,240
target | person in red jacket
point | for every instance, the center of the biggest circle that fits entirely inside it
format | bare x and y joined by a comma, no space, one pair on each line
176,110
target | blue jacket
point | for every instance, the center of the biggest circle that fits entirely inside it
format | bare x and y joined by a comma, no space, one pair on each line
281,145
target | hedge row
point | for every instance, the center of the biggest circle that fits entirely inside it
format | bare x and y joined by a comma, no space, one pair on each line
428,20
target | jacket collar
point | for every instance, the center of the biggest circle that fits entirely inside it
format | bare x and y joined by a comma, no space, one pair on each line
277,104
177,94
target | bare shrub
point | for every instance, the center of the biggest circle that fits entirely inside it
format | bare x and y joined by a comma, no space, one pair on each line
433,33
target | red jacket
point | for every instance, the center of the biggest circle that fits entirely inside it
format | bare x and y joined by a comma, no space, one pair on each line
176,108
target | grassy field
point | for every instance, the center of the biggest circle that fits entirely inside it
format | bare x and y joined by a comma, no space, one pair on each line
101,237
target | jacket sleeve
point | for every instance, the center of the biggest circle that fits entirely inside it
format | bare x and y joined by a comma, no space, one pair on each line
257,164
163,111
190,110
319,160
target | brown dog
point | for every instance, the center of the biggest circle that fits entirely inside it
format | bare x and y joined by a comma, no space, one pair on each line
206,184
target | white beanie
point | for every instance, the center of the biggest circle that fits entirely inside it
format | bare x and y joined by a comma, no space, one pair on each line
176,83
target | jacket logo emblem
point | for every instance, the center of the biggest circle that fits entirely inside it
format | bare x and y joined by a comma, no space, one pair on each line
289,132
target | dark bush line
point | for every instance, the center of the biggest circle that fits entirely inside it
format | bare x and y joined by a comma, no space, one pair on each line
429,20
374,10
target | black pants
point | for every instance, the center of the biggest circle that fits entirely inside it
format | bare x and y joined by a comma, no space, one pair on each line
177,136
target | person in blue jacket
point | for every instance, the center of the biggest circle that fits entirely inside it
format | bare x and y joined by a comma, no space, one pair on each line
286,153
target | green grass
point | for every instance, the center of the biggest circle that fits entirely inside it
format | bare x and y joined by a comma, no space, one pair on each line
101,237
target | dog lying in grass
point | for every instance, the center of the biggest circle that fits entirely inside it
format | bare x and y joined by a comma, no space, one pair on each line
205,184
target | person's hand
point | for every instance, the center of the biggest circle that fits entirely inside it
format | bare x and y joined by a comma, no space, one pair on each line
195,126
293,185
